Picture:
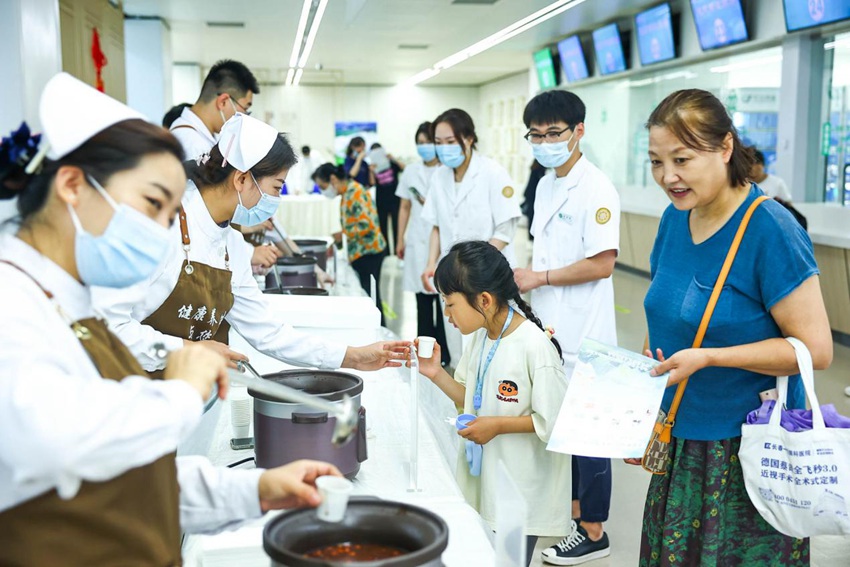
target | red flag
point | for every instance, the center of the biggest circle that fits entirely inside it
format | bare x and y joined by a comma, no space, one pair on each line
99,59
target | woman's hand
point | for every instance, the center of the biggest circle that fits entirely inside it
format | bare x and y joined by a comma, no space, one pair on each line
481,430
681,365
429,367
428,276
265,256
383,354
200,367
399,248
527,280
231,356
633,461
323,277
293,485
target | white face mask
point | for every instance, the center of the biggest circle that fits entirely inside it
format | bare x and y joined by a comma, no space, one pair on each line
554,155
330,191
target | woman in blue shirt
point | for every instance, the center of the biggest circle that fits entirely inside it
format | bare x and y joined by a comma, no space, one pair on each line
699,512
355,165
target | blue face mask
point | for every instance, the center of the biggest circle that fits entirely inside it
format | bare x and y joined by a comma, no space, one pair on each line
426,151
451,155
553,155
259,213
128,251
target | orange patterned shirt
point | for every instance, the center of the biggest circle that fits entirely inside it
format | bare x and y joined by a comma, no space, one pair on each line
359,219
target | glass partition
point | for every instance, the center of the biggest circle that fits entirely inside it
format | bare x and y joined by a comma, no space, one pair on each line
835,128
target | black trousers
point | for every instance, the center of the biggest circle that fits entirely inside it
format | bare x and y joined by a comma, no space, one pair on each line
388,204
429,322
370,265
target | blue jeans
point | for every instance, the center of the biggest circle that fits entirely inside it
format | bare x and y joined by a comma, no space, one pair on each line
592,487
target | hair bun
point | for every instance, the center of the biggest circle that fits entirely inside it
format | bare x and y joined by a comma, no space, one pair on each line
16,152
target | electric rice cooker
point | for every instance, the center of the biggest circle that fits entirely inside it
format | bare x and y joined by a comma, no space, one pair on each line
315,247
293,270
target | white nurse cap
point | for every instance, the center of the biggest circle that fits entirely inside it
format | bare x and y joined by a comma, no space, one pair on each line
72,112
244,141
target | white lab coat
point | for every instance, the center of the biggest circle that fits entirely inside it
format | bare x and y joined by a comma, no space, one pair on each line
417,176
65,424
575,217
250,315
197,139
485,199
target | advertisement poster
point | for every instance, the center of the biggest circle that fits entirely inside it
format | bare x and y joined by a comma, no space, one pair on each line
344,131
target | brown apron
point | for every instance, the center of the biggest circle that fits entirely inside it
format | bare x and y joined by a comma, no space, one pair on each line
132,519
196,308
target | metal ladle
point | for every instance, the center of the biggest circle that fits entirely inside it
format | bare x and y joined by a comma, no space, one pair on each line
345,413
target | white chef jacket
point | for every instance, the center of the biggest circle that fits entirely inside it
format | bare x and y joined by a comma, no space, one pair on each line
484,200
416,176
250,315
197,139
526,358
65,424
575,217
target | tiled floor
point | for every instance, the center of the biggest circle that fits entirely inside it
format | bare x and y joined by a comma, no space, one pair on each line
630,482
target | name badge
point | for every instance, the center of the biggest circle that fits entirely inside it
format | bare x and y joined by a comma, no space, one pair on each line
566,218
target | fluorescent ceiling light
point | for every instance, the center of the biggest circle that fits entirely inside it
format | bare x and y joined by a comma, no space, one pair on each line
289,75
297,79
314,28
749,64
504,34
299,34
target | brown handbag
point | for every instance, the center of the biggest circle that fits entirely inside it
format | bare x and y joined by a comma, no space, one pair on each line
655,458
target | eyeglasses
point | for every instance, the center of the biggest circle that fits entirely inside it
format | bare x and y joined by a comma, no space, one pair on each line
550,137
244,110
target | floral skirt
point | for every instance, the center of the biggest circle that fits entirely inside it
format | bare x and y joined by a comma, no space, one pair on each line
699,514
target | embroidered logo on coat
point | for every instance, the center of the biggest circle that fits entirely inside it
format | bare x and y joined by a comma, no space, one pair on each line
508,391
603,215
508,192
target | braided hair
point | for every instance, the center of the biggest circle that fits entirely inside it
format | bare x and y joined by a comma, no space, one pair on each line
473,267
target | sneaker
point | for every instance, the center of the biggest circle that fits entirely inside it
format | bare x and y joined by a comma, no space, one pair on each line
577,548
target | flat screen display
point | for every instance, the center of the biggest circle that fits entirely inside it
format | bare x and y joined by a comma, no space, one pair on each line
719,22
655,35
801,14
572,59
545,69
609,49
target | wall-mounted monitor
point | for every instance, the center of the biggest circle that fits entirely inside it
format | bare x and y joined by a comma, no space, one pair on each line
655,35
572,59
719,22
609,49
547,75
802,14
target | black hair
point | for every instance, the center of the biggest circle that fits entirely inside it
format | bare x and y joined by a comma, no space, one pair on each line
758,156
212,173
323,172
461,124
554,106
355,141
375,145
173,114
118,148
473,267
305,151
231,77
424,128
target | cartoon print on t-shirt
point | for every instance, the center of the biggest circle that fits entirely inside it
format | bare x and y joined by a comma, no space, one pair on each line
508,391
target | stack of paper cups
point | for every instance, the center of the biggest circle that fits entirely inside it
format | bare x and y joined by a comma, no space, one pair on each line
240,411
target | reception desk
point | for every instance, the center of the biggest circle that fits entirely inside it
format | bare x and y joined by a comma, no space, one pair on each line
829,229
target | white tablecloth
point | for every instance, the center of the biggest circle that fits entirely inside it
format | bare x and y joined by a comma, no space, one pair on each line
313,215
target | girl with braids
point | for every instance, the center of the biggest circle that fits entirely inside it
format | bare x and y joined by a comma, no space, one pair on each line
516,385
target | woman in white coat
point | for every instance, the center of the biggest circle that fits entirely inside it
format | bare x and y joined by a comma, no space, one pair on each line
206,280
88,473
471,198
414,235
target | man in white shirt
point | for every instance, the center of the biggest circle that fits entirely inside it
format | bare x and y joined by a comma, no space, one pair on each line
576,240
229,88
773,186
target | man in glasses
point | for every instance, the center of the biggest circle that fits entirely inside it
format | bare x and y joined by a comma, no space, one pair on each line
229,88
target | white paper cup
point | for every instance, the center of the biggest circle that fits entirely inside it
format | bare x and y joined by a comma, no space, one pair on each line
240,411
426,347
335,492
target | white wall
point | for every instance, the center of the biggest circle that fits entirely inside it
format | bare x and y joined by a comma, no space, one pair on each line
186,81
26,65
147,51
308,113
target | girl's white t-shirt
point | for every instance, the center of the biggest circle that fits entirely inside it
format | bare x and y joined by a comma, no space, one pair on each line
525,377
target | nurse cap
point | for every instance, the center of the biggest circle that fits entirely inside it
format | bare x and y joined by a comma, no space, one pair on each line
244,141
71,113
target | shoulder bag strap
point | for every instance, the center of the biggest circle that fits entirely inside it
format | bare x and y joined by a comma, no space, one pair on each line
712,300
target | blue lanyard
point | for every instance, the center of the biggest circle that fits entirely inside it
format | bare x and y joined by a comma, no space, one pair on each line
482,372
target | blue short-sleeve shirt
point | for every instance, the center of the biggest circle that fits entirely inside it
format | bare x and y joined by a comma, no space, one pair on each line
774,258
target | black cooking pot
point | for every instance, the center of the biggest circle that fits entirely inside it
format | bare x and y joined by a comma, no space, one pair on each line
287,431
421,533
297,290
317,248
294,271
